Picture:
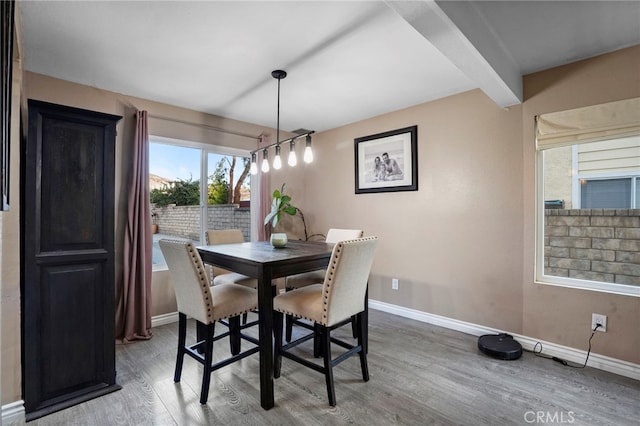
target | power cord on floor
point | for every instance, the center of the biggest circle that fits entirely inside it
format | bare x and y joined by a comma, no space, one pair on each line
562,361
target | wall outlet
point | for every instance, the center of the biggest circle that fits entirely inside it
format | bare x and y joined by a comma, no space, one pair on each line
599,319
394,284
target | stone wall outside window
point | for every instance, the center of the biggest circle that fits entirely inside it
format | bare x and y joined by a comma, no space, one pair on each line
184,221
593,244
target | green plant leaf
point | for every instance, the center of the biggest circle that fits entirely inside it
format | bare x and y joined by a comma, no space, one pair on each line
280,203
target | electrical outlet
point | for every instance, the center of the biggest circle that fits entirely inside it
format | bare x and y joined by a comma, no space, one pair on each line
394,284
599,319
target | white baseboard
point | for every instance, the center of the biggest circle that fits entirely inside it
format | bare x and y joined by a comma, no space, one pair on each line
578,356
164,319
13,414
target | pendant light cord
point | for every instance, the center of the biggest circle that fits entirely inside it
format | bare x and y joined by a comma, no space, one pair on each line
278,117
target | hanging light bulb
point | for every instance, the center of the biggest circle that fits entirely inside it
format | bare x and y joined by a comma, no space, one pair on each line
254,167
265,161
277,161
308,153
293,160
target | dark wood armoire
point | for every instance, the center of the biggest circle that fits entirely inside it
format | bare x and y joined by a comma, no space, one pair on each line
68,206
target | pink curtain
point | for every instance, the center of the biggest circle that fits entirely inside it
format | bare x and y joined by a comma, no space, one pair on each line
264,199
133,311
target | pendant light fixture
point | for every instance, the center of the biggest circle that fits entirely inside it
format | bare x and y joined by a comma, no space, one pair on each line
265,160
277,160
293,160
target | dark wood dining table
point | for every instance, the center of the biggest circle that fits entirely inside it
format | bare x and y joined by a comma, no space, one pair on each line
260,260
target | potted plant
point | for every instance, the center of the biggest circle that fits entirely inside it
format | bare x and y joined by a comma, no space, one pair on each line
281,204
154,225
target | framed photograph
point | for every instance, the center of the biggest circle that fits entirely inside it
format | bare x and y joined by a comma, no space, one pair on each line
387,162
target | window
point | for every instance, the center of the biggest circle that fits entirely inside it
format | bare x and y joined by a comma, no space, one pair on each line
183,208
588,192
607,193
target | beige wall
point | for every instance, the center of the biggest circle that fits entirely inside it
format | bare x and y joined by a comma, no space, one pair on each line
557,314
455,245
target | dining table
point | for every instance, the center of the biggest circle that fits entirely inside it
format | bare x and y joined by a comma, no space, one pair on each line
261,260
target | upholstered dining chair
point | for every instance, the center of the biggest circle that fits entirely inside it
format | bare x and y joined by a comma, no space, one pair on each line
332,304
220,275
207,305
302,280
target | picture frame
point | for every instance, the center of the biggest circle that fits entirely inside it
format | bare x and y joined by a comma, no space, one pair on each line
8,26
387,162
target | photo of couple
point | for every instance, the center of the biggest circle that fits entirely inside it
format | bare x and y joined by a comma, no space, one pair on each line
386,169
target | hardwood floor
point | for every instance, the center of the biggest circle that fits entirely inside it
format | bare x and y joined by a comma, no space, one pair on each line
420,375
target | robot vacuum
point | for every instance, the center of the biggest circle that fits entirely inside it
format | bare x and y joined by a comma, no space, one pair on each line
501,346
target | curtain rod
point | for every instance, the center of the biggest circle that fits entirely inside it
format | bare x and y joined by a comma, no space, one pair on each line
206,126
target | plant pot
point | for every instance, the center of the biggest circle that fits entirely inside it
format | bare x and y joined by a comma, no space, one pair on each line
154,228
279,240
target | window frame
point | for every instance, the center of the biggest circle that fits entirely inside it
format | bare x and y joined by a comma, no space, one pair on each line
540,277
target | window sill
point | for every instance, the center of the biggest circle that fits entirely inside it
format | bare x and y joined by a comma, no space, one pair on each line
621,289
158,268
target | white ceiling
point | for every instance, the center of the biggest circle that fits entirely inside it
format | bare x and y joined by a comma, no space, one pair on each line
346,60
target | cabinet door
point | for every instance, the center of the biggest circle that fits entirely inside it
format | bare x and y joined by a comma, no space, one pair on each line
68,258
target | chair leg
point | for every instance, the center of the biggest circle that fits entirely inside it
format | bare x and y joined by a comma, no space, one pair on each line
234,335
288,321
201,332
363,351
277,344
325,338
289,327
182,335
354,326
317,342
208,360
245,316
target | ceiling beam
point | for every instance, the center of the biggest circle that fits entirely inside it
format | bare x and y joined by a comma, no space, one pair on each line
460,32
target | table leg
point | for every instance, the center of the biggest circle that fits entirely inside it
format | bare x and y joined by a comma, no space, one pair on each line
265,315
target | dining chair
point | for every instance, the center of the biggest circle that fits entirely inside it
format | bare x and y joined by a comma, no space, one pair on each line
308,278
206,304
220,275
336,302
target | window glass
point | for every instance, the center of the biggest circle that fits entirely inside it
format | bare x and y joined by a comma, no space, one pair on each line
174,185
589,233
176,170
228,193
605,193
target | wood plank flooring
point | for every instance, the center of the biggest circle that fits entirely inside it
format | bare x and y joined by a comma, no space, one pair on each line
420,375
